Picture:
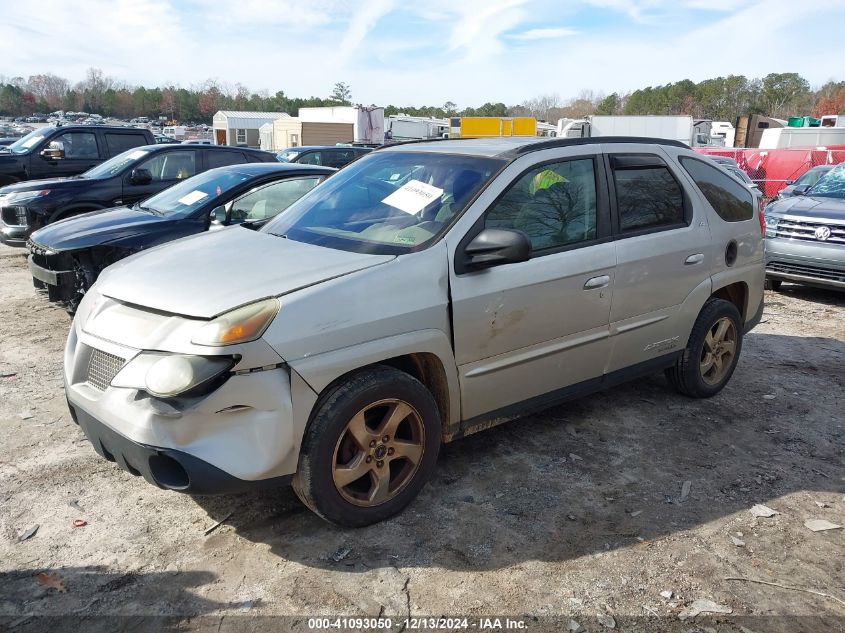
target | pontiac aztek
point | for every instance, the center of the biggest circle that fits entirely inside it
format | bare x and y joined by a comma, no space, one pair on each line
425,292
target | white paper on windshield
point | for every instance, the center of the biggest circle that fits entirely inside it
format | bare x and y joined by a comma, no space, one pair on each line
32,142
193,197
413,196
138,153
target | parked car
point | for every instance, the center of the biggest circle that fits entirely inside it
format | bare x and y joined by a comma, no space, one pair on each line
8,140
805,235
66,257
197,141
123,180
166,140
55,152
330,155
423,293
807,180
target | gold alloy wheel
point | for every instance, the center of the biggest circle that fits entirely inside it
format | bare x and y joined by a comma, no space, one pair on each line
378,452
718,351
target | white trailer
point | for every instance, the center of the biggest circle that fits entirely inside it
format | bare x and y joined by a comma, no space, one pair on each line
401,127
676,128
785,137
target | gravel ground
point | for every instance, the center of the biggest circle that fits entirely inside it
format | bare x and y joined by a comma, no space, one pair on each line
586,512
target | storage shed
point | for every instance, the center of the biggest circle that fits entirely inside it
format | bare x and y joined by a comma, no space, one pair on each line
241,128
294,132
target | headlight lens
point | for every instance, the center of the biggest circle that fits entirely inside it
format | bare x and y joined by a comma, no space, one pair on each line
771,221
173,375
238,326
22,196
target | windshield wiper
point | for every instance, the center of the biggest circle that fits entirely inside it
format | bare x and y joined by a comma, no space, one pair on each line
148,209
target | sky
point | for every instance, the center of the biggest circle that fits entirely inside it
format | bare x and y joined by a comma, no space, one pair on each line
423,52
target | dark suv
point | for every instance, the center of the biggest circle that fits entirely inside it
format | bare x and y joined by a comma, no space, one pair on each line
55,152
123,180
329,155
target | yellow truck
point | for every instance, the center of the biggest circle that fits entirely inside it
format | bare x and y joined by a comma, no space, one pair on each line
491,126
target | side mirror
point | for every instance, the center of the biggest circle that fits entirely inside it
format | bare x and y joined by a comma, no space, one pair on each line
140,177
218,215
54,151
790,182
493,247
800,190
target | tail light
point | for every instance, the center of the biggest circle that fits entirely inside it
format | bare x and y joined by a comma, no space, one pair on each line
760,216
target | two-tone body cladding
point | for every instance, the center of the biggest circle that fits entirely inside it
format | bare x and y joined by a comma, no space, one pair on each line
425,292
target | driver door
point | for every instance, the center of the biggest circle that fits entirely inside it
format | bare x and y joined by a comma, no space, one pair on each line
532,329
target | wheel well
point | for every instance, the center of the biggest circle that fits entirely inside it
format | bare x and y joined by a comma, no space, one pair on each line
737,294
428,369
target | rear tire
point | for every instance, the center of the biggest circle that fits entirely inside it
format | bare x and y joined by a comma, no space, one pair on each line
773,284
370,447
710,357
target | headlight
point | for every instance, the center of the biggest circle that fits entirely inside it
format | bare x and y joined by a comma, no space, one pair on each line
771,221
169,375
238,326
22,196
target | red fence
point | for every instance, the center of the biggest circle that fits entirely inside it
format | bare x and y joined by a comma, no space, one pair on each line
771,168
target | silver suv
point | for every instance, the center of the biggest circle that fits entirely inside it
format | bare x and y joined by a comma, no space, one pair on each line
426,292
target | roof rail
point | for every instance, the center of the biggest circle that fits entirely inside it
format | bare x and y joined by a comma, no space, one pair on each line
416,140
590,140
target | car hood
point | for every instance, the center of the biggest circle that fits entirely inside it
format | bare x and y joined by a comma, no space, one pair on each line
211,273
48,183
810,207
97,227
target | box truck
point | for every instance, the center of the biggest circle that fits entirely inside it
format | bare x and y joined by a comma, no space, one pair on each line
676,128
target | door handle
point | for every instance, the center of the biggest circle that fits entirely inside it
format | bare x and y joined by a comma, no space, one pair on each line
597,282
694,259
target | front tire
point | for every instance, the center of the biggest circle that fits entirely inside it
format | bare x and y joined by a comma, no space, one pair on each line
709,360
369,448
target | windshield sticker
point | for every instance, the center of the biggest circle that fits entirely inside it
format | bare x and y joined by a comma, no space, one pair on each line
405,239
193,197
413,196
32,142
138,153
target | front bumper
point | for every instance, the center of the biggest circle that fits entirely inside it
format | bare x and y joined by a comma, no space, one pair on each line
13,235
165,468
806,262
239,436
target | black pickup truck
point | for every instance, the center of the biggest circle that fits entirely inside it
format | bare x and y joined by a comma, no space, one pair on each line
68,150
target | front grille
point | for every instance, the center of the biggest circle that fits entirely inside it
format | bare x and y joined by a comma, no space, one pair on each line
817,272
804,230
14,216
48,259
102,368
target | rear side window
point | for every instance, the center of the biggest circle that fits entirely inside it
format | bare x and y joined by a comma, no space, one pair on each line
118,143
647,194
731,200
223,158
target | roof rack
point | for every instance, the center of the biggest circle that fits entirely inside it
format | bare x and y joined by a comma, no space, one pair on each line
590,140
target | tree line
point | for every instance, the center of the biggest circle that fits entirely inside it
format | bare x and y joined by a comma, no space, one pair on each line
722,98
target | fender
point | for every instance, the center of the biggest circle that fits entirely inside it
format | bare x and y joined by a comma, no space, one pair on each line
321,370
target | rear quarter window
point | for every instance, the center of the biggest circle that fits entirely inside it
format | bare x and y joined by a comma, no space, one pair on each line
732,201
221,158
120,142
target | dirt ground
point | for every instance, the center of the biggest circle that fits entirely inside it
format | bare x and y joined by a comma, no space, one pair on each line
578,515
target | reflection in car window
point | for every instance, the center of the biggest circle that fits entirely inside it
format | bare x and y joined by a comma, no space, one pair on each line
114,166
182,199
287,156
171,165
77,144
373,206
29,141
647,194
269,200
731,200
831,186
554,205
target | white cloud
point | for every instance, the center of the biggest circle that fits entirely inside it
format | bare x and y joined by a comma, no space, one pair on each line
543,34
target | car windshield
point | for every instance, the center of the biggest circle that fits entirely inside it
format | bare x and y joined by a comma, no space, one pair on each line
387,202
186,197
117,164
287,156
26,143
812,177
832,185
